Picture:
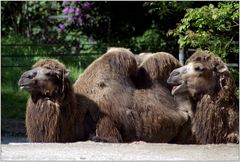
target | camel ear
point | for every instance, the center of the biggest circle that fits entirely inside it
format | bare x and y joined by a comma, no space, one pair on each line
221,68
67,73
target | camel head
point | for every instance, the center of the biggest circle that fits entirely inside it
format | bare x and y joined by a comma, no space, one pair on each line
46,78
200,75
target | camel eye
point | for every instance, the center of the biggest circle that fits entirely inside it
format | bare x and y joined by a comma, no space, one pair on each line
50,73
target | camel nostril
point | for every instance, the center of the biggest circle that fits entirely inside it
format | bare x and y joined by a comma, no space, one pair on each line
34,74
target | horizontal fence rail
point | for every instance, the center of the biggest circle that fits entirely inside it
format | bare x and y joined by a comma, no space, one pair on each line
61,54
54,55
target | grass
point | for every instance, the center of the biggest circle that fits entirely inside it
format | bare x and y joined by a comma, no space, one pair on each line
13,101
13,105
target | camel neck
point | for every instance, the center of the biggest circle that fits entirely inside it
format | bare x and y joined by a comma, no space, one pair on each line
184,103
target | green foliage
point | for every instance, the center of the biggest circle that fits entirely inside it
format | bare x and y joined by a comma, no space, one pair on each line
36,14
164,15
166,8
16,44
210,28
29,18
152,40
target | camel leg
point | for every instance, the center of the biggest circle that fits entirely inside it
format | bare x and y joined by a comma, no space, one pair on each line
106,131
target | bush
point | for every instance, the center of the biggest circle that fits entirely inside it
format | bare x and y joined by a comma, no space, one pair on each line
151,41
215,29
210,28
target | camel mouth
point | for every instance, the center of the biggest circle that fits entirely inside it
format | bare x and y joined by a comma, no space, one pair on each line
24,87
25,84
176,80
180,88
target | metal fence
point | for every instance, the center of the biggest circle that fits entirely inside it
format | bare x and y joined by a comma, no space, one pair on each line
16,57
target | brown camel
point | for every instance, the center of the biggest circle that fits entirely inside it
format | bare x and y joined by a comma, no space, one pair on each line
210,86
125,113
52,114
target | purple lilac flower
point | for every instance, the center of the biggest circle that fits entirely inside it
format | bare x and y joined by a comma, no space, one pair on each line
71,9
65,2
61,27
78,11
80,20
66,10
87,5
70,19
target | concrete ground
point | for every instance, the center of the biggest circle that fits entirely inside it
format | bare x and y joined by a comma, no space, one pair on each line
85,151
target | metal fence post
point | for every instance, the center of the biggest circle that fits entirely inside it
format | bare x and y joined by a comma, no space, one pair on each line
181,55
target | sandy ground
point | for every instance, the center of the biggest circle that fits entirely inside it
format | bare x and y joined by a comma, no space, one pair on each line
84,151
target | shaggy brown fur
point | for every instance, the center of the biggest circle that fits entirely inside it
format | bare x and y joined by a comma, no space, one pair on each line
154,69
124,113
211,87
51,115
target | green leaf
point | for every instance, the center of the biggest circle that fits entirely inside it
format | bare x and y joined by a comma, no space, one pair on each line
36,30
68,38
214,17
